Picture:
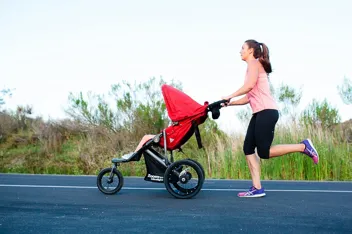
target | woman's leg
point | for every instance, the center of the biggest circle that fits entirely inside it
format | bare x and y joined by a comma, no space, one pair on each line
280,150
264,136
275,151
306,147
252,161
254,167
249,142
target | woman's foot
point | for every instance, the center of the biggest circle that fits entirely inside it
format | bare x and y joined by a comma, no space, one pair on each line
252,192
310,150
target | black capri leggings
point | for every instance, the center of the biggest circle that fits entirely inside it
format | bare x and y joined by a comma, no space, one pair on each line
260,133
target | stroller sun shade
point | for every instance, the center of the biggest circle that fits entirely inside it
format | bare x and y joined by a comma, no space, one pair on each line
179,105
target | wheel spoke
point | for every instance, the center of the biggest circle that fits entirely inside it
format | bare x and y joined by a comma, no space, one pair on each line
108,186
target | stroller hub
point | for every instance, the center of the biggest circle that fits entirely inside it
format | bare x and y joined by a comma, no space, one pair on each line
185,176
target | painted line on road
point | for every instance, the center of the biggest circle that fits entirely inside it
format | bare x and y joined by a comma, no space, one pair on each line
206,180
204,189
45,186
288,190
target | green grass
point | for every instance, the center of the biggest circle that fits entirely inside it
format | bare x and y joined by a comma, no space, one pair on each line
221,158
31,159
222,161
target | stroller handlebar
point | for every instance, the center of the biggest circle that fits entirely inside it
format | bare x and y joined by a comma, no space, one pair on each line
215,108
217,104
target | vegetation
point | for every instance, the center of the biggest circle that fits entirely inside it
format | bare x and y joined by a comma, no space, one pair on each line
102,127
345,91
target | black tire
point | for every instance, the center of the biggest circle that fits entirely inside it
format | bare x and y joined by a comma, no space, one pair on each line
172,180
103,178
200,165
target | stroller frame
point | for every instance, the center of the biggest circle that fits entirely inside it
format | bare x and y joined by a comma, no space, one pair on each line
176,176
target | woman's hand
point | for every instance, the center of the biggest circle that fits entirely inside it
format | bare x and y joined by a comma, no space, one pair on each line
228,99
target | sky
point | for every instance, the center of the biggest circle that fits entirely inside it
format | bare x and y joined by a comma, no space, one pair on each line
51,48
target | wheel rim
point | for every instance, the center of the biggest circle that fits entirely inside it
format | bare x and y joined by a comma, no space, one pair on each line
109,184
187,182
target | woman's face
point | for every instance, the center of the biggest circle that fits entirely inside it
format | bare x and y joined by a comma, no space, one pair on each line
245,52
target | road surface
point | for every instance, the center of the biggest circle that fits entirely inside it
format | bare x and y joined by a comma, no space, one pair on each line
73,204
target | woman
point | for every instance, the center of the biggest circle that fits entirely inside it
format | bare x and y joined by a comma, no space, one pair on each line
260,132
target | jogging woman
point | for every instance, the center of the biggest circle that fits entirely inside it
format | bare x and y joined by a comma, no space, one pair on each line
260,132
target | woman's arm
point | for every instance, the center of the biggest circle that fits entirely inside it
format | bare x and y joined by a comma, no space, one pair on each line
253,73
241,101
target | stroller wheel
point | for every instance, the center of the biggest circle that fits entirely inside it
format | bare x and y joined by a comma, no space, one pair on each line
200,165
184,179
109,182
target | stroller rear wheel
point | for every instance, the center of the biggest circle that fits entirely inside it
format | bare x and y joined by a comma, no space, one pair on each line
109,181
184,179
200,165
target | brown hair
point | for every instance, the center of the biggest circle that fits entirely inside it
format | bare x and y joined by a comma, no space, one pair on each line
262,54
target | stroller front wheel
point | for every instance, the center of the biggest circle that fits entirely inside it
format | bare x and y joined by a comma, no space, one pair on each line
184,179
109,181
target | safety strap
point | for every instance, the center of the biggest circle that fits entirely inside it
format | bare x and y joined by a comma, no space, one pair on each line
197,133
165,147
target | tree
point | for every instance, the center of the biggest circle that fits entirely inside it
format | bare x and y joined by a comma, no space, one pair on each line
137,108
286,95
345,91
290,98
22,113
3,94
320,114
244,116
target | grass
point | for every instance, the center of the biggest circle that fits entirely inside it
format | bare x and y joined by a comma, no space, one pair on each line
225,161
31,159
221,157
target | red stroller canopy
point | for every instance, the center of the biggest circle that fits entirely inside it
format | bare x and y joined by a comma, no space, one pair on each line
179,105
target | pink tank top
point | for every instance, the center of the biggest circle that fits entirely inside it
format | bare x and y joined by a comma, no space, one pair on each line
260,97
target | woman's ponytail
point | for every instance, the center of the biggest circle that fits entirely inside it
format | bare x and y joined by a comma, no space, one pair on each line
261,52
264,58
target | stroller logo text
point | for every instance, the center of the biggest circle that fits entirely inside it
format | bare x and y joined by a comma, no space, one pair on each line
155,177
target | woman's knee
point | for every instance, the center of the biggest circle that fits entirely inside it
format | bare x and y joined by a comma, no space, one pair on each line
248,148
263,152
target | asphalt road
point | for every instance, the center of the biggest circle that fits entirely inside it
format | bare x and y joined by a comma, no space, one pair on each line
73,204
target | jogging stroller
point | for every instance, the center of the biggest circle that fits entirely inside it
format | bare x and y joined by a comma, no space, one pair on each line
183,178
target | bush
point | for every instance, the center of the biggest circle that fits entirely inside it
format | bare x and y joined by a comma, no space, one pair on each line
320,114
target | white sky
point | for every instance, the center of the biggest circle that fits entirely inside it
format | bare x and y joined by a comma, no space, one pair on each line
51,48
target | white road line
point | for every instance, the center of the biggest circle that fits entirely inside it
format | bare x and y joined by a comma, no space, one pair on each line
205,189
45,186
206,180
